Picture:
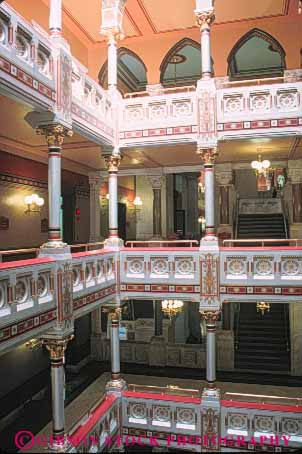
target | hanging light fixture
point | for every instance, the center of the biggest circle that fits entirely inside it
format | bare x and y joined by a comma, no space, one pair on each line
263,307
171,307
261,167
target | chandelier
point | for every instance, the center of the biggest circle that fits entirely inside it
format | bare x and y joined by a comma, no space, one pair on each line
34,203
263,307
201,184
171,307
261,167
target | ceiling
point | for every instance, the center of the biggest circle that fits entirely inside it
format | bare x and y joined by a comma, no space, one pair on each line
164,16
83,156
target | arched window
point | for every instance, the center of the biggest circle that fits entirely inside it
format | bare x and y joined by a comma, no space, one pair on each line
131,72
182,64
257,54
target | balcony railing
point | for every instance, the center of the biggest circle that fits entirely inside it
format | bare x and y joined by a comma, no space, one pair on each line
26,61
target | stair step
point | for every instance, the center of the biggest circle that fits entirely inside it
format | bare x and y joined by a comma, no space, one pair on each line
262,366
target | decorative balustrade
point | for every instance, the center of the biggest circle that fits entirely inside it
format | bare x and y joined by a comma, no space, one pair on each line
98,430
91,105
263,420
173,273
26,63
94,279
259,108
273,273
27,298
168,117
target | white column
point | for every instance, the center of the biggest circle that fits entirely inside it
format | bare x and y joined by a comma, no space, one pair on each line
205,17
211,318
55,17
95,182
113,162
114,317
208,156
112,61
56,348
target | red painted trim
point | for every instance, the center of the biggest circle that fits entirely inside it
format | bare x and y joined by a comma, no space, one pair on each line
265,248
28,262
168,397
76,255
260,406
159,249
93,419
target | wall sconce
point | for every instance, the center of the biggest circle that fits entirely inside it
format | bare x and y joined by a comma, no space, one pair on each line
34,344
34,203
137,202
108,196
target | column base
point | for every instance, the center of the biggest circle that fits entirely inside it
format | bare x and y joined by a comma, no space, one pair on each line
114,243
211,393
55,249
116,386
209,242
56,446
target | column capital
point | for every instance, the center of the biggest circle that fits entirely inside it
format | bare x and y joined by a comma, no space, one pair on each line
156,181
57,347
54,134
208,155
210,317
205,19
113,162
95,179
114,313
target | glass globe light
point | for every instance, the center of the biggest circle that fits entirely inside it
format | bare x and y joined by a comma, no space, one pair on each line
40,201
266,164
256,165
28,200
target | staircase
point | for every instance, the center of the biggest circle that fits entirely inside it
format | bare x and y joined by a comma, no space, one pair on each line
261,226
262,341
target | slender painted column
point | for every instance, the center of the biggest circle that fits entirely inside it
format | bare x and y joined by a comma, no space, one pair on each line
112,61
95,182
211,317
205,17
297,202
156,183
114,318
55,17
54,135
56,348
113,162
208,156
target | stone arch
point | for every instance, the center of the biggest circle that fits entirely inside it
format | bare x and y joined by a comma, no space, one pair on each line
131,72
257,54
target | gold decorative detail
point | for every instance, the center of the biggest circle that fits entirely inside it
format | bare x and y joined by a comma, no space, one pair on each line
57,347
210,317
54,134
112,162
114,314
205,18
263,307
208,155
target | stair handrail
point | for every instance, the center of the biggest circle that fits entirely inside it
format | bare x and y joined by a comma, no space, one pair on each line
285,216
237,326
236,216
286,328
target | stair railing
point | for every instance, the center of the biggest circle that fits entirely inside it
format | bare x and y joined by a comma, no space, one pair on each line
237,326
236,216
286,320
285,216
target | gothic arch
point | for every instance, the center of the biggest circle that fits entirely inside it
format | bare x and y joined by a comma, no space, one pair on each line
131,72
257,54
188,69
